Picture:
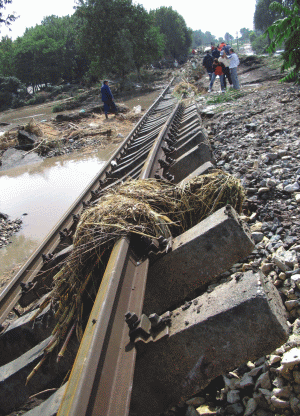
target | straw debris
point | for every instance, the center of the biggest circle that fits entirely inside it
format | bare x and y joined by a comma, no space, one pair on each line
146,207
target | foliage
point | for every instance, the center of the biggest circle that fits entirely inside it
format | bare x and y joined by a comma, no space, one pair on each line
230,95
199,38
178,36
245,34
47,53
11,90
6,57
259,43
287,30
228,37
117,35
7,20
264,16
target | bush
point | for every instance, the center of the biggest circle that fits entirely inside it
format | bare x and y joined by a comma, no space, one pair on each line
260,44
11,89
58,108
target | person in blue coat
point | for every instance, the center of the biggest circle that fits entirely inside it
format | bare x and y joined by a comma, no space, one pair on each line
108,99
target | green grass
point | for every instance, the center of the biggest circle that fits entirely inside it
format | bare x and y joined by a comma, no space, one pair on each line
230,95
57,108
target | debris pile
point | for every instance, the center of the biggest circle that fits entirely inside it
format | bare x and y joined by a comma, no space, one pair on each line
145,208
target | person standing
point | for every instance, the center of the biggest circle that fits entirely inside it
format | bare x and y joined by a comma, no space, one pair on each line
215,53
207,63
234,63
218,68
224,59
108,99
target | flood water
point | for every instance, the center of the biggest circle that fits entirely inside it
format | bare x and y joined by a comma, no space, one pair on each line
45,190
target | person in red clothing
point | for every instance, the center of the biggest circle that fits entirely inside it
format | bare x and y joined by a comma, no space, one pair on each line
218,69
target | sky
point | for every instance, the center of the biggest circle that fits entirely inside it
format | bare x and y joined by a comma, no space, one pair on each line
217,16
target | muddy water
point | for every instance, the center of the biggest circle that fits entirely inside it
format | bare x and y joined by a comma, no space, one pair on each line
45,190
40,194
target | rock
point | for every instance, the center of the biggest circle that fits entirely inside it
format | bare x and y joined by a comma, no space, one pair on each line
291,304
296,375
274,359
279,404
263,381
263,190
291,358
233,396
191,411
235,409
267,267
250,408
295,405
257,237
292,187
283,392
196,401
245,381
206,410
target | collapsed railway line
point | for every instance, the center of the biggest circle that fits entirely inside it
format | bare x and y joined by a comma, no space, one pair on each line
170,354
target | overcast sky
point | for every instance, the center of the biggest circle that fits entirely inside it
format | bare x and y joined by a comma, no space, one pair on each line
217,16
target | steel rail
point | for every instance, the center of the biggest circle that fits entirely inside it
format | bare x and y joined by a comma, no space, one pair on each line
32,268
102,375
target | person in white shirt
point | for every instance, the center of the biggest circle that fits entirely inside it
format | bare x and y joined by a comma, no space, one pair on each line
225,60
234,63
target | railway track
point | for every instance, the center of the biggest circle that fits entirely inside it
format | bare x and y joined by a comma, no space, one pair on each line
169,144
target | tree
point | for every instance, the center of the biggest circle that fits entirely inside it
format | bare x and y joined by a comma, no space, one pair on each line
6,57
7,20
178,36
200,38
11,90
245,34
287,30
228,37
115,35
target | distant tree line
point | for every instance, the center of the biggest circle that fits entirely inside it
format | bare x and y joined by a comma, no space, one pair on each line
102,37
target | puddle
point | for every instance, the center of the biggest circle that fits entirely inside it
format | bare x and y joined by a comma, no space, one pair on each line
44,191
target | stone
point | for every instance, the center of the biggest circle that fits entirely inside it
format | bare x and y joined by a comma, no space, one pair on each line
257,237
250,407
291,358
296,375
266,268
274,359
279,404
263,381
291,304
233,396
196,401
235,409
245,381
284,392
292,187
206,410
191,411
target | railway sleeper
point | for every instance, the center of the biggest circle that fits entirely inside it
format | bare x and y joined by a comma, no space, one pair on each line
214,333
50,406
13,388
22,334
198,255
43,280
190,161
188,142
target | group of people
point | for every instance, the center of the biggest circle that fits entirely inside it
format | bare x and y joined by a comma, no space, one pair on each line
222,61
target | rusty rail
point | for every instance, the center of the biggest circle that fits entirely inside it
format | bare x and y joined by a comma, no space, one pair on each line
35,265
